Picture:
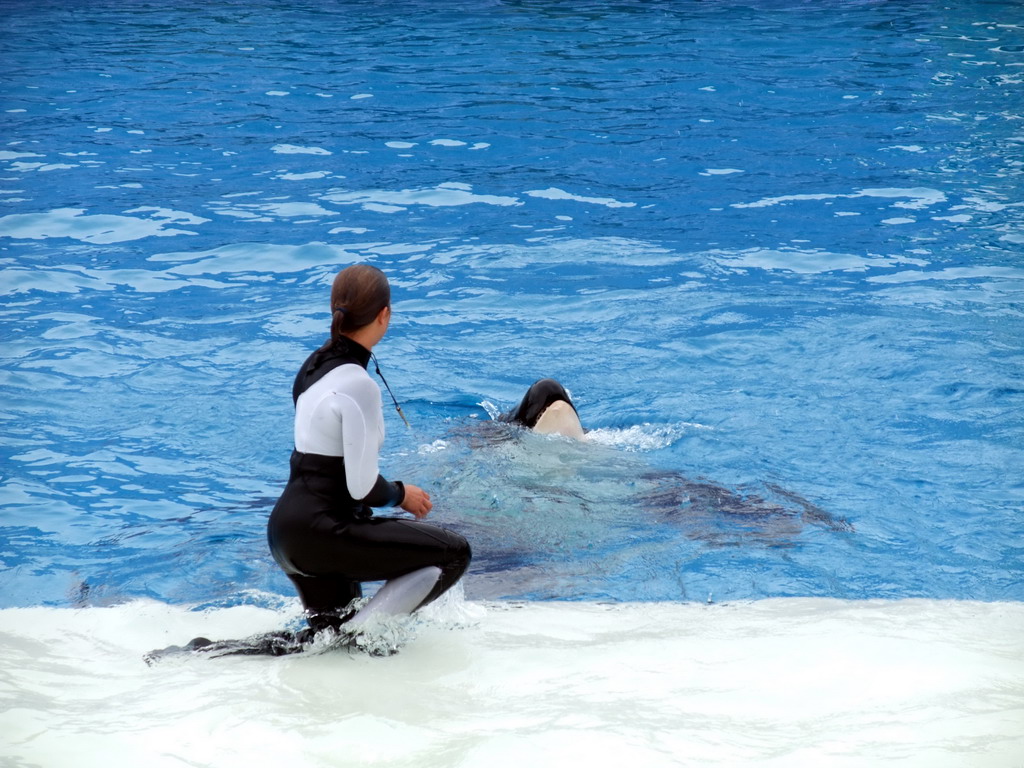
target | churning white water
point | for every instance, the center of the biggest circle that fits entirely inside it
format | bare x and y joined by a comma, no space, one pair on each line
781,682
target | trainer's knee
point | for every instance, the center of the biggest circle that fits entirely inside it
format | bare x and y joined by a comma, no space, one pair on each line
455,569
459,552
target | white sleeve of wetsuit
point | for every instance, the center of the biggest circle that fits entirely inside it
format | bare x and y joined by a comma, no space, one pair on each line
362,432
340,415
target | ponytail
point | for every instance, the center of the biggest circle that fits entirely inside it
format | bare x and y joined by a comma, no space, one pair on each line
337,324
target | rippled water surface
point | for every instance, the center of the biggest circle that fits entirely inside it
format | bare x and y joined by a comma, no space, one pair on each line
773,249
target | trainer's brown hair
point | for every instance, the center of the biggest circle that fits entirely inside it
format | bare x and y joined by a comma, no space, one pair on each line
358,295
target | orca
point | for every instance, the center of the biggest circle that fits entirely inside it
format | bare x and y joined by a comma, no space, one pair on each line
547,409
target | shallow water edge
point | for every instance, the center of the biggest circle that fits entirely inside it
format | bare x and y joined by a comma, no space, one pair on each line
779,681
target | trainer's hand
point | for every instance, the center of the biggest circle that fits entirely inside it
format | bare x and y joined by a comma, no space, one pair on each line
417,501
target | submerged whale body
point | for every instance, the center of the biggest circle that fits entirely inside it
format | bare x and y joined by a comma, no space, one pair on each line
581,518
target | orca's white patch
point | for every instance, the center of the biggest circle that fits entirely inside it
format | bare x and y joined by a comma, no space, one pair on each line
559,418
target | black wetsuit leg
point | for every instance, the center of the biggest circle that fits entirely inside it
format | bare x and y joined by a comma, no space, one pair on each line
325,598
327,553
383,548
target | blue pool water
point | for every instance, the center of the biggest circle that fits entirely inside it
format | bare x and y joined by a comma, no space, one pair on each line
774,249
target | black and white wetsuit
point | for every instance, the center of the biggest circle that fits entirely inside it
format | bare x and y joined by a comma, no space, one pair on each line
322,531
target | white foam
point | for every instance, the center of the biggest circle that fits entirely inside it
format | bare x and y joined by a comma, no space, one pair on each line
642,437
294,149
304,176
247,257
952,273
915,198
553,193
770,201
793,682
187,268
275,210
104,229
6,154
808,262
449,194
